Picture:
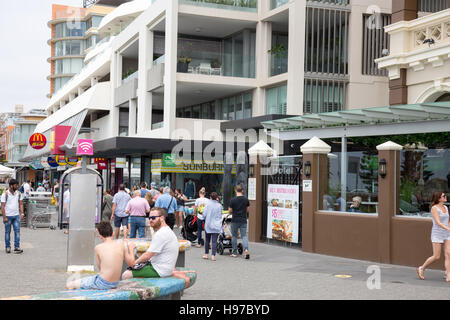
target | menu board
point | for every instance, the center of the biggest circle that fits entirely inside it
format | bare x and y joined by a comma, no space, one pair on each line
283,212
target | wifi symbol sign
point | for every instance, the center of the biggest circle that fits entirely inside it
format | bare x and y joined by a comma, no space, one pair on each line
85,147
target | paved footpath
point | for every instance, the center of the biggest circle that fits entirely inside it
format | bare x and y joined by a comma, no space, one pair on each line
273,272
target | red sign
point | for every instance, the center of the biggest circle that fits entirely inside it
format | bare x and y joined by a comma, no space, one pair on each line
101,163
38,141
58,137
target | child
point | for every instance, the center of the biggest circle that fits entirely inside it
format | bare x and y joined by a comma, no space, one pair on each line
109,255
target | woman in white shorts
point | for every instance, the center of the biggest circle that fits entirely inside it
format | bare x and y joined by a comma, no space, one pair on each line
440,234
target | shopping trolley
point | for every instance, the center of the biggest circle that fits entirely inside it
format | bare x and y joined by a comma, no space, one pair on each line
42,215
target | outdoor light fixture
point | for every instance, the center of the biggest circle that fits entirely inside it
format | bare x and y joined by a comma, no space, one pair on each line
382,168
308,169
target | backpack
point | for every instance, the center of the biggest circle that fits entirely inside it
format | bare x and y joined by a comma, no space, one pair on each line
21,189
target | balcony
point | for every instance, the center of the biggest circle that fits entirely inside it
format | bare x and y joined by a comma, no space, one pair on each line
417,43
277,3
240,5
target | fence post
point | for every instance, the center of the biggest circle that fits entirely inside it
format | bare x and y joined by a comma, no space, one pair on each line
388,196
257,155
315,151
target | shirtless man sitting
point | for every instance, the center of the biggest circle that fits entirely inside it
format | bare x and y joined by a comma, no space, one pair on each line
109,255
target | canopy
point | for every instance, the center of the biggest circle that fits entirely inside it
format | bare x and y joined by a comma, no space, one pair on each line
6,172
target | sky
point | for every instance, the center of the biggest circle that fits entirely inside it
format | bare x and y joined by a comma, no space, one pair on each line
24,52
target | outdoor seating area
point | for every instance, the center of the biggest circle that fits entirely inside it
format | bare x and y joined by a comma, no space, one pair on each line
169,288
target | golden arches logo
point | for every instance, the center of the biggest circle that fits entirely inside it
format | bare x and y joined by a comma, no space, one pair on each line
38,141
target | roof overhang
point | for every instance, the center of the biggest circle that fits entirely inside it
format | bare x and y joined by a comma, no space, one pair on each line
401,119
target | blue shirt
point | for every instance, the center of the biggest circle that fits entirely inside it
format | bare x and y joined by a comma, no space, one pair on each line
213,217
121,199
163,201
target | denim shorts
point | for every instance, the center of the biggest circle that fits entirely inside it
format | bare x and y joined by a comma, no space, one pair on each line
180,208
97,283
120,221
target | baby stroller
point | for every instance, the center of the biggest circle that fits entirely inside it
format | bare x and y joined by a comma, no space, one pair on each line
224,239
189,230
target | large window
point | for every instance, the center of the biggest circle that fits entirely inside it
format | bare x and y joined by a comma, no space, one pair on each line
276,100
356,188
58,83
73,28
123,122
231,108
64,66
279,54
239,55
69,48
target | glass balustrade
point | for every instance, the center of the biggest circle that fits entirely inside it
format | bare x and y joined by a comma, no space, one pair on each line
241,5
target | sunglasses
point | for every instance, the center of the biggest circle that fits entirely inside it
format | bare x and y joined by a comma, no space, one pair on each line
154,217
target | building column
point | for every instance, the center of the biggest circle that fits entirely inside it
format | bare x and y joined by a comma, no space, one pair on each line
262,61
404,10
132,117
144,103
388,196
315,154
116,80
258,155
170,67
296,57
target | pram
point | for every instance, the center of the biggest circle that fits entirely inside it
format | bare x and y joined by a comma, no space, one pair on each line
189,230
224,239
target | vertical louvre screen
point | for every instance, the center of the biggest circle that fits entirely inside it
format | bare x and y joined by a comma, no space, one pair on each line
332,2
433,5
323,95
374,41
326,49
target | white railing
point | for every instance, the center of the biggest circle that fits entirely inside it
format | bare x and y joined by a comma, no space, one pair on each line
432,34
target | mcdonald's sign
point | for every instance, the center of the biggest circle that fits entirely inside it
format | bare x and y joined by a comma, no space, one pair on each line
38,141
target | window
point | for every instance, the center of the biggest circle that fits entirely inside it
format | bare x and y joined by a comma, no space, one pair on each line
239,55
433,5
123,121
59,30
374,41
276,100
279,54
326,48
323,95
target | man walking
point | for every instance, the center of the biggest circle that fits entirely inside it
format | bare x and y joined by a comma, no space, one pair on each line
239,207
119,216
11,203
169,203
153,190
137,208
144,189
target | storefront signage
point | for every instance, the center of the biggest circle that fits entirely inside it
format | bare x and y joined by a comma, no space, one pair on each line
72,160
58,137
283,212
37,141
101,163
44,163
36,165
169,160
52,162
251,189
121,163
61,160
194,166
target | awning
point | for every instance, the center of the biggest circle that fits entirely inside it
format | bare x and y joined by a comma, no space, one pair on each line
397,119
75,122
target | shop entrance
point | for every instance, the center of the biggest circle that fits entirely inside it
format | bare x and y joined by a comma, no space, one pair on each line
282,202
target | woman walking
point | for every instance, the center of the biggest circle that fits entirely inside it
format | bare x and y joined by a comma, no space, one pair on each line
198,210
440,234
213,224
181,198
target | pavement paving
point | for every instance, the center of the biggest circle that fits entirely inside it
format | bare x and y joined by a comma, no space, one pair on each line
272,273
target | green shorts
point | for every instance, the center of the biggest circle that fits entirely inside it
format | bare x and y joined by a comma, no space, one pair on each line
146,272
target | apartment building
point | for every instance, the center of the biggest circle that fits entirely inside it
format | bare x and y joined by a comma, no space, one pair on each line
171,70
73,33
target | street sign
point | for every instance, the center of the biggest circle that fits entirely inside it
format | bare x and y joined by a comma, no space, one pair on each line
85,147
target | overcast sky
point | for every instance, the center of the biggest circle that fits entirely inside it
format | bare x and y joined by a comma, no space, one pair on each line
24,52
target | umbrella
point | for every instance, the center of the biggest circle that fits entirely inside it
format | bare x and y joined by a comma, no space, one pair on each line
6,172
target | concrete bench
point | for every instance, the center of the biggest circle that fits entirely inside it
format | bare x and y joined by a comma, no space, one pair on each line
169,288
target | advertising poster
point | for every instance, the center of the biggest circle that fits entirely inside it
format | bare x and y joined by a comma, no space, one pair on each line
283,212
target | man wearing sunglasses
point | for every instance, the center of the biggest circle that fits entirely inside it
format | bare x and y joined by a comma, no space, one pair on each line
161,257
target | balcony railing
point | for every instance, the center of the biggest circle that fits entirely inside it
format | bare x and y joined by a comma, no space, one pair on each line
241,5
432,34
277,3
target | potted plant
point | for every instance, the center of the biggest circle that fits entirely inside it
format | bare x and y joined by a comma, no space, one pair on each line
184,59
278,50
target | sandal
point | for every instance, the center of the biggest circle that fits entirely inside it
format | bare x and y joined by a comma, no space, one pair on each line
233,255
198,245
213,258
419,272
205,257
